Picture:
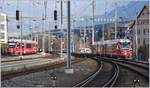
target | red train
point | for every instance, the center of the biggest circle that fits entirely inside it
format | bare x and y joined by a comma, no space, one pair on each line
117,48
28,47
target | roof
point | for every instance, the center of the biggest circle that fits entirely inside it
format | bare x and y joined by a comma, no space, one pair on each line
112,41
145,6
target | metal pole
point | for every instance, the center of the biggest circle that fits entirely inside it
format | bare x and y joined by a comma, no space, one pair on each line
44,21
136,38
68,38
103,32
49,37
0,28
34,30
84,36
116,21
30,29
73,33
93,20
61,7
80,32
21,57
103,37
43,46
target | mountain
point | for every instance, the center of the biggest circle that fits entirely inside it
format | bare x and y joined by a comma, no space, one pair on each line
128,12
124,14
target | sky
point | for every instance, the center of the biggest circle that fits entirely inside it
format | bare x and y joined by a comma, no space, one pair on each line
35,8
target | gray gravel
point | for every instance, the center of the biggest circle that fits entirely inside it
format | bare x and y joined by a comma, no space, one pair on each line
42,79
127,76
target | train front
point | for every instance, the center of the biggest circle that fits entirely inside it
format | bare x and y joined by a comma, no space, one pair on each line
11,48
125,49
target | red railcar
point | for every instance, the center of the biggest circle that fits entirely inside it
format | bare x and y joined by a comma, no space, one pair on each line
118,47
28,47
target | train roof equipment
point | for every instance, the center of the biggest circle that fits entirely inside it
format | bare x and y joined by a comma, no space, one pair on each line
112,41
19,40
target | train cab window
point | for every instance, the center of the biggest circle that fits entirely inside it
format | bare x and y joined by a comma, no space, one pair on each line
18,45
11,45
124,45
28,46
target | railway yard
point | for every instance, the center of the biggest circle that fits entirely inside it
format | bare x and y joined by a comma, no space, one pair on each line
89,71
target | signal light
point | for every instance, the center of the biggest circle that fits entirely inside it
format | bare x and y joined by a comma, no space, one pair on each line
18,26
55,26
17,14
55,14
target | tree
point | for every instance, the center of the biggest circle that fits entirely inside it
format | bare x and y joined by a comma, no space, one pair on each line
144,51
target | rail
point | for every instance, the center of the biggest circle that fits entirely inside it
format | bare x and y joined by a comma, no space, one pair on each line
112,81
91,78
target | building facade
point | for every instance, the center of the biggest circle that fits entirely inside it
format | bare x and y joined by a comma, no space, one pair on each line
3,28
141,26
3,32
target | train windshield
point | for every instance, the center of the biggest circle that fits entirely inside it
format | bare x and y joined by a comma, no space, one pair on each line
124,45
12,45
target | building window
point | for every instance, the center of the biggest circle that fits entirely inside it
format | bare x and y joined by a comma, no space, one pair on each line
147,40
2,27
138,31
2,36
144,41
144,31
143,21
138,40
147,22
138,22
28,45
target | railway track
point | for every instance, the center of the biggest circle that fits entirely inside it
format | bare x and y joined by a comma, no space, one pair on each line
140,68
105,76
135,70
38,69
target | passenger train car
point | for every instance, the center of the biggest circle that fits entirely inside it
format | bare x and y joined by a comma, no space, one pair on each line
117,48
28,47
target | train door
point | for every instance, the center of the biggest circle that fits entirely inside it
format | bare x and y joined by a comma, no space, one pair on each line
28,48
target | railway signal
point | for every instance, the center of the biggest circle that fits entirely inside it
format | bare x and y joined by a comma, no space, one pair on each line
55,15
17,14
18,26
